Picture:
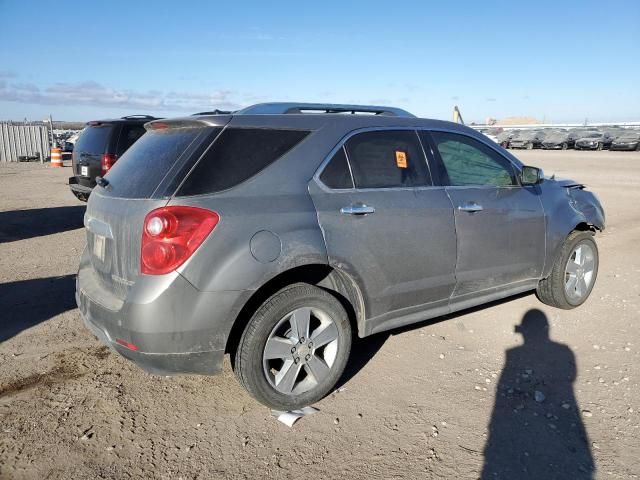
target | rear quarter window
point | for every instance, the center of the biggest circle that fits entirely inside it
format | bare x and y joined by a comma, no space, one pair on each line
144,165
94,139
237,155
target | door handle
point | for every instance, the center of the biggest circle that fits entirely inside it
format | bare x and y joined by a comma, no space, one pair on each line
470,207
357,210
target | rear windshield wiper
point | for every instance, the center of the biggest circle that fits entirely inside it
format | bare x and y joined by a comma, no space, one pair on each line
103,182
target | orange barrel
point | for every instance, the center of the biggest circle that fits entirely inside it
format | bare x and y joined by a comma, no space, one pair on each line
56,157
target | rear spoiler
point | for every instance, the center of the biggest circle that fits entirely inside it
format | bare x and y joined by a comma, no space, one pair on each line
189,122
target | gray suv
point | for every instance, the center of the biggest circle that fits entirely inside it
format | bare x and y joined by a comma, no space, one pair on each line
278,232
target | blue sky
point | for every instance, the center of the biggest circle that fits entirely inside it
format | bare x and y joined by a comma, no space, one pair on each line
561,61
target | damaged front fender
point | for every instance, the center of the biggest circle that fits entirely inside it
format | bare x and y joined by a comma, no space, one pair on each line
568,206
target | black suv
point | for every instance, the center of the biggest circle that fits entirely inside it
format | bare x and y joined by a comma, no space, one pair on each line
100,144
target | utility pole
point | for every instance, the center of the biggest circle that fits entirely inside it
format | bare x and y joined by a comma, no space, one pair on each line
51,145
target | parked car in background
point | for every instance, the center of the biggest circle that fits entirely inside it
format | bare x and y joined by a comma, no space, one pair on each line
593,141
98,148
528,139
559,140
505,137
278,237
629,140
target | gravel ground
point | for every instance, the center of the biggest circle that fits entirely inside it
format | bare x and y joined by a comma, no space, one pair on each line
462,396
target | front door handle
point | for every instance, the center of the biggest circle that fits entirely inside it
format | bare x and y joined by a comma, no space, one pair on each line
359,209
470,207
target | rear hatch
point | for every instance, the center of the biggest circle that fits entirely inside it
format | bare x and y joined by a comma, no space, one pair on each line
143,179
92,144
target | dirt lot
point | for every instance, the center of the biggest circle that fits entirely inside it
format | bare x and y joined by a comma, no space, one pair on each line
416,403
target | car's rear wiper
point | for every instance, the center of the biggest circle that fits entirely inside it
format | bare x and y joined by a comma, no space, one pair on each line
103,182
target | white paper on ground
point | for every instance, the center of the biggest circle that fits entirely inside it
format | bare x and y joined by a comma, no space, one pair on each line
291,417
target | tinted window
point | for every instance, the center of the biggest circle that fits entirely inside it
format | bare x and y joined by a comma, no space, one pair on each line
94,139
141,168
466,161
336,173
128,135
392,158
236,155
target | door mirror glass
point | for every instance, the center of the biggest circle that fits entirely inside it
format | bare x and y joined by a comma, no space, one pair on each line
531,175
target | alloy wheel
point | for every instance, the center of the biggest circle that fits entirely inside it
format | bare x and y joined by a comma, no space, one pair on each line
300,350
578,273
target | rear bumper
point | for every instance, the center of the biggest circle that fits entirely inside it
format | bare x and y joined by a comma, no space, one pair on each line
175,328
78,189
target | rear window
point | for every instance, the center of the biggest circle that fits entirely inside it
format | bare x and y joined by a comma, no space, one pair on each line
128,136
94,139
143,166
237,155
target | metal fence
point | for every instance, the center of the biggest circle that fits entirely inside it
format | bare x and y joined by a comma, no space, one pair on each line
24,141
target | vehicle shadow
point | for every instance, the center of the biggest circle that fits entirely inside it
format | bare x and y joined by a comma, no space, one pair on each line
22,224
27,303
536,429
364,349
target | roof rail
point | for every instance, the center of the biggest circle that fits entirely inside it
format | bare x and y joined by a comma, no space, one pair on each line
293,108
138,116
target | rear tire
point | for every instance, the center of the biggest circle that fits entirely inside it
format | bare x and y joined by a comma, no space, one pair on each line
599,147
574,273
565,146
277,361
529,146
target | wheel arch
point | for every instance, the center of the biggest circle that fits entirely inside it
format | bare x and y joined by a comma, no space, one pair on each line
335,281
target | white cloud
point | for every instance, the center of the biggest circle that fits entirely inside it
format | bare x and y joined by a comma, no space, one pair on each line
92,93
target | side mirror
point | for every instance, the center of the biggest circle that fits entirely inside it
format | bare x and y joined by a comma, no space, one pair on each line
531,176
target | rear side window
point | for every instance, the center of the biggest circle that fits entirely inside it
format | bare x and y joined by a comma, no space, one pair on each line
94,139
141,169
336,174
128,136
387,159
237,155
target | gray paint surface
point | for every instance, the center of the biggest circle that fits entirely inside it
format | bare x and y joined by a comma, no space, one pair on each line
416,257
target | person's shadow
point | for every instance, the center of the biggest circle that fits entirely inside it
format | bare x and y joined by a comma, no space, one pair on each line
536,429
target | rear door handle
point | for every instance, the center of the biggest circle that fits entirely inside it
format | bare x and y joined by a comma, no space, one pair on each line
470,207
357,210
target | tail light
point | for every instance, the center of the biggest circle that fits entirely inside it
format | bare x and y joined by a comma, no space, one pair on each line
107,161
171,235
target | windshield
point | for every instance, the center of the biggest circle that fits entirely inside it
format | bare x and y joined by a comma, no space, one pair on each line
528,135
556,136
629,136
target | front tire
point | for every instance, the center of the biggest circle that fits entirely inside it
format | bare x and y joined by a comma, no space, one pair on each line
599,147
529,146
295,347
574,273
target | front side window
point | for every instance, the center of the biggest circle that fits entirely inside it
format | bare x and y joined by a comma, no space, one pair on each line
466,161
387,159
